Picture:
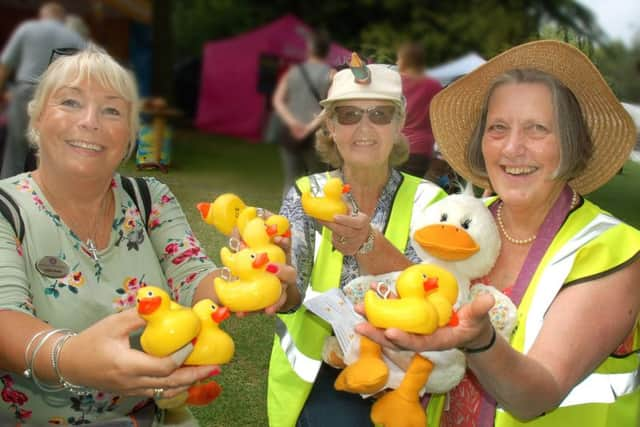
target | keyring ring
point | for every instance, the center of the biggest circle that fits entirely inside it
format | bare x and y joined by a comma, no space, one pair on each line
234,244
157,393
342,240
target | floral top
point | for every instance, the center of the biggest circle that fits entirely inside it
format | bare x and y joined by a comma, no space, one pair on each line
166,255
303,227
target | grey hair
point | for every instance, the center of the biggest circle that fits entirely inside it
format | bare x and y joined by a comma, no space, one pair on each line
328,151
576,146
91,63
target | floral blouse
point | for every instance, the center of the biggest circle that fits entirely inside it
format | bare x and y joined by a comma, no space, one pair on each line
165,254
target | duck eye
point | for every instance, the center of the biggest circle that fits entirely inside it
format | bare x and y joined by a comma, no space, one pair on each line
444,217
466,223
252,256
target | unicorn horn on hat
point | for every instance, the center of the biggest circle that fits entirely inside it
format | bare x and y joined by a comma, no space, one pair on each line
361,73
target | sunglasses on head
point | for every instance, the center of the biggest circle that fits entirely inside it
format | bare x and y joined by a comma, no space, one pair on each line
63,51
378,115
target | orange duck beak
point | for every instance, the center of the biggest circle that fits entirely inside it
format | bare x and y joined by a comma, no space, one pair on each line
204,209
446,242
149,305
261,259
220,314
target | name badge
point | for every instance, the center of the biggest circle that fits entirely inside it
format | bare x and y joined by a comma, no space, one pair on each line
53,267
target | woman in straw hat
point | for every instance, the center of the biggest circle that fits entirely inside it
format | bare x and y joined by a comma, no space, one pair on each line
363,115
539,125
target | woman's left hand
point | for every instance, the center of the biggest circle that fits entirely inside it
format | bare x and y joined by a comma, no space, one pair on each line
349,231
472,330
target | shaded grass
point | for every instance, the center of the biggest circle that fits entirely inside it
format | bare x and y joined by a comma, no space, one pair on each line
204,166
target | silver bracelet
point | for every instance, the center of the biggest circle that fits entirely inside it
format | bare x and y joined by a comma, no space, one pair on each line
27,369
55,359
34,377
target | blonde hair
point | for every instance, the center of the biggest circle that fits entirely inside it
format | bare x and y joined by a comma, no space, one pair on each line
328,151
94,64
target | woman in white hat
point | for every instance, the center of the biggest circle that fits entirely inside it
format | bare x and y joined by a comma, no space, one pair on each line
540,126
363,115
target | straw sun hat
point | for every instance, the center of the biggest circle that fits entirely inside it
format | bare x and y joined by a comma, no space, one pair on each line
455,111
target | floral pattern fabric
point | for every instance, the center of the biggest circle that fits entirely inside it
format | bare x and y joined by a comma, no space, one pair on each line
164,254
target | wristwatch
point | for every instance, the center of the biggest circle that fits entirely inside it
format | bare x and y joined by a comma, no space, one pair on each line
367,246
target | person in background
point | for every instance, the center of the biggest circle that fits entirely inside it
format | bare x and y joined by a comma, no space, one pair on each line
296,100
361,139
68,287
26,55
418,89
539,125
77,24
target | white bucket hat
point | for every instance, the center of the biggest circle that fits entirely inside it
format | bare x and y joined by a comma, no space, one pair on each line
384,83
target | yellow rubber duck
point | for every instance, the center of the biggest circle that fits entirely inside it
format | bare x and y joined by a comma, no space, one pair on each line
254,289
228,211
223,213
426,295
327,206
278,225
255,235
170,326
212,346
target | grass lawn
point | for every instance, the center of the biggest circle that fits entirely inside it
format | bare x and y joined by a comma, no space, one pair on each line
204,166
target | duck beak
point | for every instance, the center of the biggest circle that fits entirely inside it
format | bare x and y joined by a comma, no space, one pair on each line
431,284
346,188
220,314
204,209
446,242
272,230
149,305
261,259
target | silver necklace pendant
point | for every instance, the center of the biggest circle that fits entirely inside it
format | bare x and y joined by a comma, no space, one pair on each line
91,246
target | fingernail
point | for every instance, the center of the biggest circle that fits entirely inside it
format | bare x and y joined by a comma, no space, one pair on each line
214,372
272,268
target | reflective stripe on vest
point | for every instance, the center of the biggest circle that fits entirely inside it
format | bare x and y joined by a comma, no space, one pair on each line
609,396
296,355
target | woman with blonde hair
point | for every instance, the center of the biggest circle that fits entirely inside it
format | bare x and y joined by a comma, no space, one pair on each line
90,240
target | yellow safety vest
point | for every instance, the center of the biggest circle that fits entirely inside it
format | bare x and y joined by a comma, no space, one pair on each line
590,243
296,355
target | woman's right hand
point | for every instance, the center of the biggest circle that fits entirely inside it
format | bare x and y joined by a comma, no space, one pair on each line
101,357
473,330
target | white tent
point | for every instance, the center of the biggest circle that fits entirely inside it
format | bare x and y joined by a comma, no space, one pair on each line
451,70
634,112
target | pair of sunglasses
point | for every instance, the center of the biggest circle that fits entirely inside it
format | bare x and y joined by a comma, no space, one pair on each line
378,115
63,51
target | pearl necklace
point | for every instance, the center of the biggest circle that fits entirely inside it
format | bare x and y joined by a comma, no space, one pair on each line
574,202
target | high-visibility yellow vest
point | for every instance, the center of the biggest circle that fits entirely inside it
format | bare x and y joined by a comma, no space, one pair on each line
296,355
590,243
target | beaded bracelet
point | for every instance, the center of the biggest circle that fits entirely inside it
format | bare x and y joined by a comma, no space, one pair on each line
55,359
31,368
492,341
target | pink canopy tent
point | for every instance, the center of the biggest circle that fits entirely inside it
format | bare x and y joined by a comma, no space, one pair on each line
231,101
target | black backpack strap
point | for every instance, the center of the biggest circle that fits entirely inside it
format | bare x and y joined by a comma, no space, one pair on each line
10,210
138,190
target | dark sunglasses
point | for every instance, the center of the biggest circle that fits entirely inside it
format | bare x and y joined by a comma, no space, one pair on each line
63,51
378,115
